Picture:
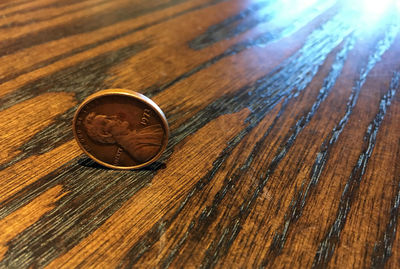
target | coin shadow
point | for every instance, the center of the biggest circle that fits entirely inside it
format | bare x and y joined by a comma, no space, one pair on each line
154,166
87,162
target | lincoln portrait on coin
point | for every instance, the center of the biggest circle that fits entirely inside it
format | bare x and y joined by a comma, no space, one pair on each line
141,145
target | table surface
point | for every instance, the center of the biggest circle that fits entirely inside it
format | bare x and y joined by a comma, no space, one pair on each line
284,149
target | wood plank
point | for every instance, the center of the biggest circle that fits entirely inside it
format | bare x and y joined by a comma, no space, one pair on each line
284,146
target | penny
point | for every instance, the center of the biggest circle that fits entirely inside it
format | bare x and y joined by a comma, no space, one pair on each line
121,129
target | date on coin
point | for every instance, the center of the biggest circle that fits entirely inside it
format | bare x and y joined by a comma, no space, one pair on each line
121,129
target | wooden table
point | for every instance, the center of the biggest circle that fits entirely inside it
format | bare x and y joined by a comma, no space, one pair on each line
285,134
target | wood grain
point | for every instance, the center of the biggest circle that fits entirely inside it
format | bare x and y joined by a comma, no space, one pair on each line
284,149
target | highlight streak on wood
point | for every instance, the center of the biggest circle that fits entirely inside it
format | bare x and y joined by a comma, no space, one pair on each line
306,223
378,187
287,145
21,219
328,245
386,249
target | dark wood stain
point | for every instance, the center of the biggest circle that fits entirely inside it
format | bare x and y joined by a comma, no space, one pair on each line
260,40
245,209
84,25
232,26
82,79
278,77
295,209
42,7
98,43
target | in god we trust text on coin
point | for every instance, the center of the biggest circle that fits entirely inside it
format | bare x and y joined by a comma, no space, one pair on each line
121,129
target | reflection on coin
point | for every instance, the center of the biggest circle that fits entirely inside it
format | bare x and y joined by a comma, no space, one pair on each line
121,129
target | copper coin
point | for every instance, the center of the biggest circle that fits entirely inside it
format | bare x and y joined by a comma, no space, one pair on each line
121,129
